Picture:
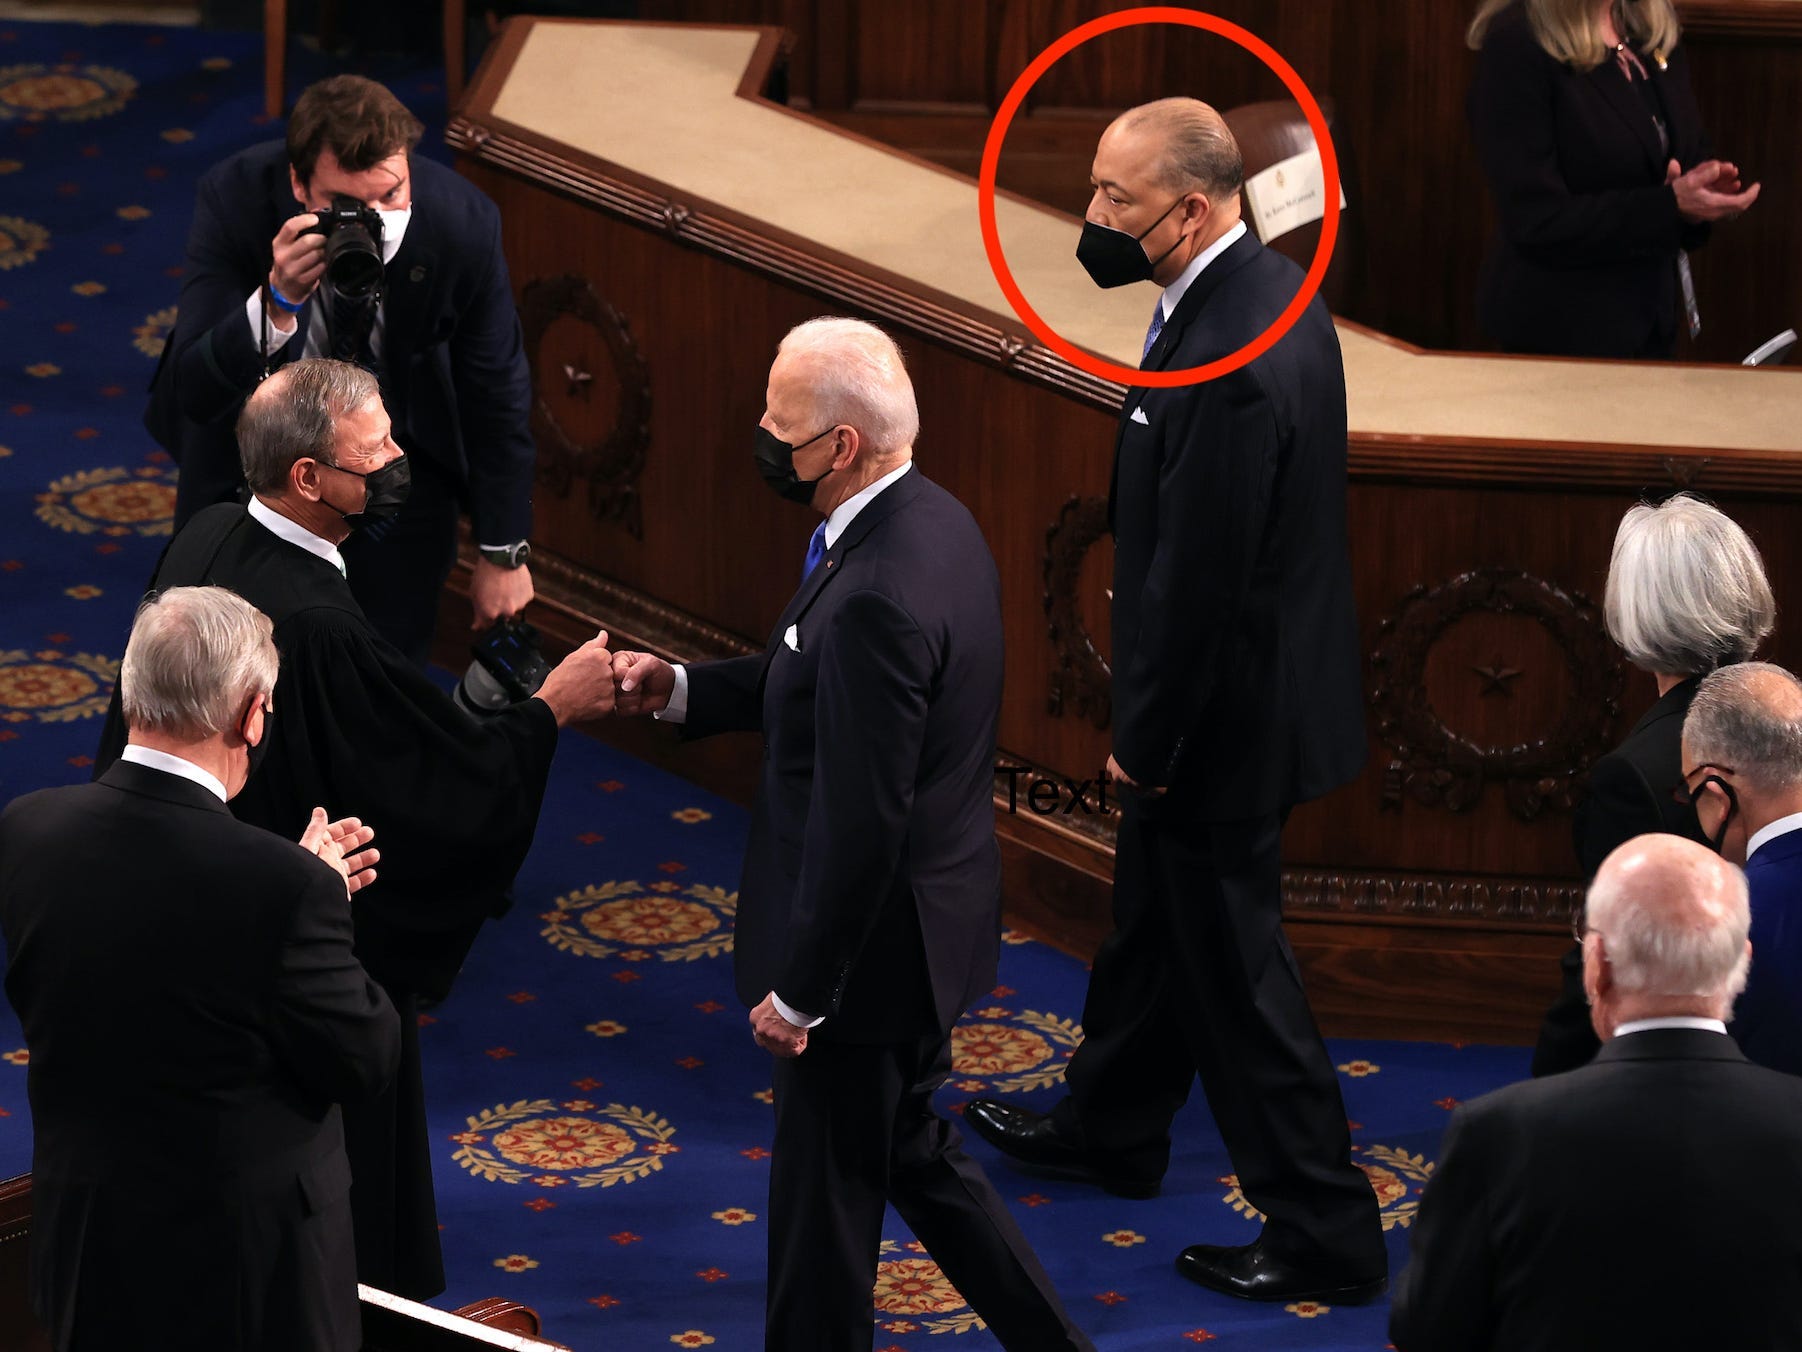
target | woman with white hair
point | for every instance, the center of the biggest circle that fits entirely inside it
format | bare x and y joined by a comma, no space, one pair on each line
1686,594
1600,171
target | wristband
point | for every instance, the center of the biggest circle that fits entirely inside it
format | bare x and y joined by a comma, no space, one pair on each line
293,307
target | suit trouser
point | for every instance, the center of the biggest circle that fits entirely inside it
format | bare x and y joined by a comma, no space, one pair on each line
855,1129
396,569
1197,978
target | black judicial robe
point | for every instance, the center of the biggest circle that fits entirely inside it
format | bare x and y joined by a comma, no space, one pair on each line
361,731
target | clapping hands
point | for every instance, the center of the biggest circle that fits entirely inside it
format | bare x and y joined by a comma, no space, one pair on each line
340,843
1709,192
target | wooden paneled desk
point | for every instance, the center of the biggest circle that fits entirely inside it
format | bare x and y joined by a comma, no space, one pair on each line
666,224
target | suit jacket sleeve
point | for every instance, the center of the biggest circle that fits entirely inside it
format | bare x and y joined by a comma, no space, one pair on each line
332,1026
1618,806
494,399
870,708
216,358
1214,493
1444,1299
723,696
1512,105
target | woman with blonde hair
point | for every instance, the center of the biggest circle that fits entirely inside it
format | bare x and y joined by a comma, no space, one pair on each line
1602,176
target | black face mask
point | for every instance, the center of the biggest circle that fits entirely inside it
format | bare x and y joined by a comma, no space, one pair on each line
776,463
1114,258
384,492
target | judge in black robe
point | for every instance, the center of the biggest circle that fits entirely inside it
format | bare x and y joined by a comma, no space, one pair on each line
363,731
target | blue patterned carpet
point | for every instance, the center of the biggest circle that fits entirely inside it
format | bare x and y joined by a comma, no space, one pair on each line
598,1105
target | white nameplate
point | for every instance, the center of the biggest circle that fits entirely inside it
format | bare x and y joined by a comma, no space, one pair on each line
1288,195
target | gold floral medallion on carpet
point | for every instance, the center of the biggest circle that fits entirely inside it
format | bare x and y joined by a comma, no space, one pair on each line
552,1144
20,241
113,501
636,923
997,1050
913,1294
65,93
1396,1177
54,687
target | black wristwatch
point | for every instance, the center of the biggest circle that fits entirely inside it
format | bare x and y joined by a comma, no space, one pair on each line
507,556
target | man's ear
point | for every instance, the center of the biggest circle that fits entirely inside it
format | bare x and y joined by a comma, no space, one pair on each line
1196,207
846,445
304,479
300,189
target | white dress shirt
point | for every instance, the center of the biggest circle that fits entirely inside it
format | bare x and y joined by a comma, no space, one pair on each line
152,759
295,533
1173,294
1671,1021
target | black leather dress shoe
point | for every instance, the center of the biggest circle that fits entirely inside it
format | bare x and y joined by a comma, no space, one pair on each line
1252,1272
1034,1140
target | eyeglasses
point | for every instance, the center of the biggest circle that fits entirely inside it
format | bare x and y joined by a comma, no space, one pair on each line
1686,796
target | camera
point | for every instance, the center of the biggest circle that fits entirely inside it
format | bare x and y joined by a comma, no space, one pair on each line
353,247
508,668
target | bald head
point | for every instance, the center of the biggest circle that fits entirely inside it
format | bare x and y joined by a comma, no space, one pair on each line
1191,146
852,373
1669,918
295,413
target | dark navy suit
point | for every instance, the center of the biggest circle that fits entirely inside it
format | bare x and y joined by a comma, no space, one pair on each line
1767,1019
452,366
871,895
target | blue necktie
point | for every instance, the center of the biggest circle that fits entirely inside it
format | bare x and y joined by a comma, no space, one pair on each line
816,550
1151,334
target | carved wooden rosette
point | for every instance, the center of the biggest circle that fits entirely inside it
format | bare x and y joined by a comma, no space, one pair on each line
1436,764
571,401
1081,675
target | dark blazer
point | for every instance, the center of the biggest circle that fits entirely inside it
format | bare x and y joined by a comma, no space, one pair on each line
1648,1200
871,887
1584,259
1236,681
194,1015
1630,788
454,375
1629,795
1767,1018
361,731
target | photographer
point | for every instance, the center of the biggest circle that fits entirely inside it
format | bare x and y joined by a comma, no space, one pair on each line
417,292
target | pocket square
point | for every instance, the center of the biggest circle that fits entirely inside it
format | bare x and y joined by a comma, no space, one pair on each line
793,639
1138,416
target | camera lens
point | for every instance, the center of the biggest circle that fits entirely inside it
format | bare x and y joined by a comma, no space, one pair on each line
353,263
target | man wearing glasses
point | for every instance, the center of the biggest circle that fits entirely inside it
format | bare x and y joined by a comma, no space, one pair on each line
1742,767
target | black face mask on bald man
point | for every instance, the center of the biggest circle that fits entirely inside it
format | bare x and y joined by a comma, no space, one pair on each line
776,463
1114,258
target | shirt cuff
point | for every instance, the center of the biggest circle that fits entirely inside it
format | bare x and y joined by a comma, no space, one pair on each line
676,711
277,340
794,1015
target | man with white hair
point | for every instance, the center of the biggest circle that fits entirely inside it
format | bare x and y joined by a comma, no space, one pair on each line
869,908
195,1014
1648,1199
1742,767
1237,694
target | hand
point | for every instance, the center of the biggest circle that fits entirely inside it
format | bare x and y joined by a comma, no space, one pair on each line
340,844
299,262
1119,776
498,593
1709,192
642,683
775,1034
580,687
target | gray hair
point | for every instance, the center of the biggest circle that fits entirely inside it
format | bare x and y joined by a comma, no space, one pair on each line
195,658
858,378
1686,589
295,414
1689,949
1200,152
1748,717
